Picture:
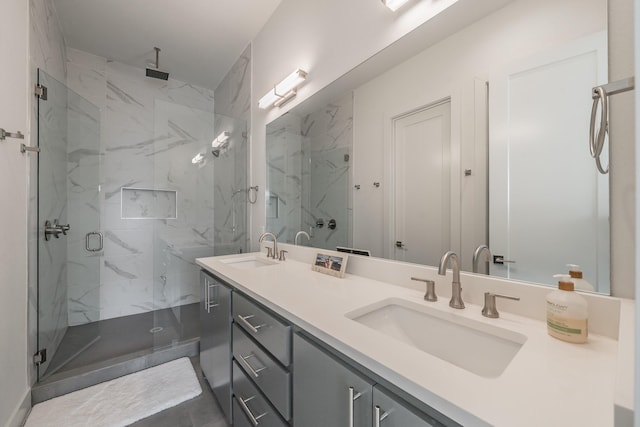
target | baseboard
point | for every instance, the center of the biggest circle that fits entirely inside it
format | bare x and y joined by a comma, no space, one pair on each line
19,415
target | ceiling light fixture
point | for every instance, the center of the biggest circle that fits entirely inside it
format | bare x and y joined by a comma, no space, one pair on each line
394,4
283,91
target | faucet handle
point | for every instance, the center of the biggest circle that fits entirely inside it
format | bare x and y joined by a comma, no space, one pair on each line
430,295
281,257
489,309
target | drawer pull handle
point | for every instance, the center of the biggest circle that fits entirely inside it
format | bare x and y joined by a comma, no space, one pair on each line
254,372
353,396
245,320
378,416
254,419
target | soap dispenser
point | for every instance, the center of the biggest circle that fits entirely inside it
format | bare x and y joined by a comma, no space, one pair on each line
567,315
576,278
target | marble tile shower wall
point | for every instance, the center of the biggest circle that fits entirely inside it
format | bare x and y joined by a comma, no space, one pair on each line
150,131
233,111
286,175
328,134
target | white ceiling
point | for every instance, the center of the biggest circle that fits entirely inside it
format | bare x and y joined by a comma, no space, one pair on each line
199,39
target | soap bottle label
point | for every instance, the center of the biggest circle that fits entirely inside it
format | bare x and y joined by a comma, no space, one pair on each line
571,330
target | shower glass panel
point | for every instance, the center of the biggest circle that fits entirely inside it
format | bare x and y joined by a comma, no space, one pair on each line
68,194
193,190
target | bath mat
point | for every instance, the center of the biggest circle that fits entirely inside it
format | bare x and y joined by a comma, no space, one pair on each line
122,401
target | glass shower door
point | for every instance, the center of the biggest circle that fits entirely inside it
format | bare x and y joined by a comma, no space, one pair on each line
69,238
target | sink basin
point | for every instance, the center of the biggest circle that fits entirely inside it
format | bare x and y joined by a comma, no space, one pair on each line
248,262
479,348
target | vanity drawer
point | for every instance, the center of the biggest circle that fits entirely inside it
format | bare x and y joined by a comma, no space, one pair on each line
266,373
248,403
271,333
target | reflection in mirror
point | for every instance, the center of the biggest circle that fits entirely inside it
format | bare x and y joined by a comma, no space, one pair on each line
481,138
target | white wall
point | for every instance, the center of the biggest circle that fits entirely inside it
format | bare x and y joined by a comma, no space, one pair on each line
328,38
14,54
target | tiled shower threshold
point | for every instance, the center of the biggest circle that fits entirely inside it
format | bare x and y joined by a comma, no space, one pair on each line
116,347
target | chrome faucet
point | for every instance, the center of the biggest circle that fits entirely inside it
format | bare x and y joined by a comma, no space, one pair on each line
456,289
274,253
301,233
476,256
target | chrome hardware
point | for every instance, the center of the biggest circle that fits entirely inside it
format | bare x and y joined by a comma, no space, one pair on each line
252,200
376,184
499,259
275,243
430,294
476,256
209,304
269,252
301,233
245,320
456,288
281,256
319,222
4,135
378,416
332,224
467,172
353,396
40,357
41,92
243,403
600,95
254,372
399,244
87,241
357,186
24,149
489,309
54,229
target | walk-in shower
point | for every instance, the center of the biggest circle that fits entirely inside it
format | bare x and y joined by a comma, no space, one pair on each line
120,282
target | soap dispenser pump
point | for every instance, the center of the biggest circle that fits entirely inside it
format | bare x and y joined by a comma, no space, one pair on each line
567,315
576,278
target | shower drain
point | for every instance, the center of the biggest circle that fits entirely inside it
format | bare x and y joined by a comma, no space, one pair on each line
156,329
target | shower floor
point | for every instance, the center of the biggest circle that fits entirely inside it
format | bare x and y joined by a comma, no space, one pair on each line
114,347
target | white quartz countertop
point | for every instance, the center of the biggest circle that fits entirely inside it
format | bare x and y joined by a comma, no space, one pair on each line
548,383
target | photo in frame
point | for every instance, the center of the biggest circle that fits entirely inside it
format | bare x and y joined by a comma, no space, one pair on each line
331,264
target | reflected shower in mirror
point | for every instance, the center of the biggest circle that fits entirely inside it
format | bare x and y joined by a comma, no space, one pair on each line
479,138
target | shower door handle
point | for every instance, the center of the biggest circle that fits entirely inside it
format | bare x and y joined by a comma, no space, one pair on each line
87,241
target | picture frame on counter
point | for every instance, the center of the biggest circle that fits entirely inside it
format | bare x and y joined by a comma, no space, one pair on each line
330,263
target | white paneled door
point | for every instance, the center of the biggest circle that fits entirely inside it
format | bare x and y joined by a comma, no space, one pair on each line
421,188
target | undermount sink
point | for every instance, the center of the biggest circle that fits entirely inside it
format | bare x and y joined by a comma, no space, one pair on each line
248,262
479,348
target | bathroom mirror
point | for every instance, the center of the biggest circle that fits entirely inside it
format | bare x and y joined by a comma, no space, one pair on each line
478,138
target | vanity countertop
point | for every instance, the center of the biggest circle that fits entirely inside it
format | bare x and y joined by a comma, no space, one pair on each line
549,382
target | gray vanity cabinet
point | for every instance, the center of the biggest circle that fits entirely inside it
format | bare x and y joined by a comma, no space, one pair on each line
215,338
326,392
392,412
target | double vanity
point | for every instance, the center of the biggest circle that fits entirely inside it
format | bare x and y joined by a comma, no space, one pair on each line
284,345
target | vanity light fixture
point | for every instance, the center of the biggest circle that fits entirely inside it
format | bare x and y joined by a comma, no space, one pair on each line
197,159
283,91
394,4
220,142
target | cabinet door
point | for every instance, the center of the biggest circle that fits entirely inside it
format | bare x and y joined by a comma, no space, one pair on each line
390,411
326,392
215,338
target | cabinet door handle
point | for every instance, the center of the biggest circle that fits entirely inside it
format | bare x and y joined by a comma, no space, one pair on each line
245,320
254,372
210,303
378,416
254,419
353,396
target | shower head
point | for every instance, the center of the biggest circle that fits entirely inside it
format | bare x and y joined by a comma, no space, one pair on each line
155,72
